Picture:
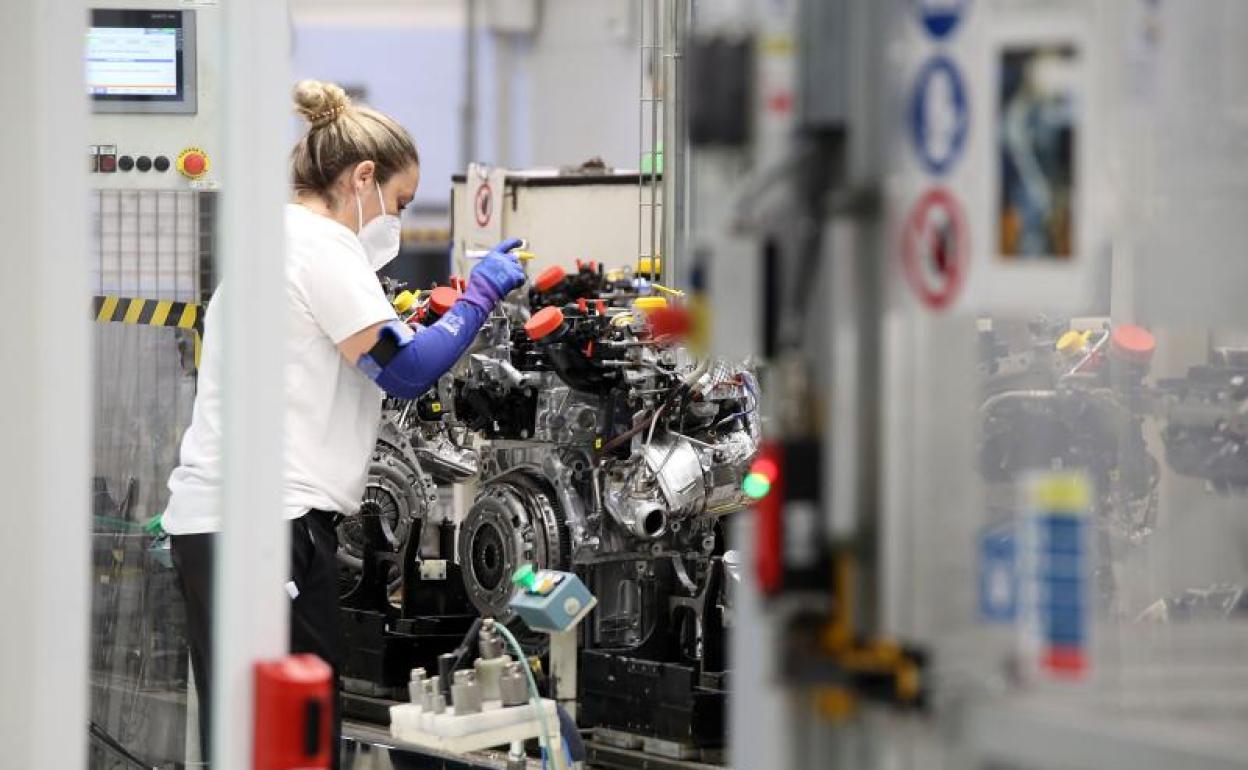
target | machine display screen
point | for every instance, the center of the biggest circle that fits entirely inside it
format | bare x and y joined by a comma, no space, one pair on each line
140,58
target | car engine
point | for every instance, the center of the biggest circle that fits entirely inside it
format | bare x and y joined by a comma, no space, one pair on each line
606,446
597,442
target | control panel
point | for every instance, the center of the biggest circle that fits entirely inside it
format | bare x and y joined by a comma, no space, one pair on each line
550,601
152,76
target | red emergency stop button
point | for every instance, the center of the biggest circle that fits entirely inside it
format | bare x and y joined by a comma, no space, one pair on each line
193,163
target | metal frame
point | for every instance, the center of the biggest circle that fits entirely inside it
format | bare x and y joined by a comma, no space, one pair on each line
366,747
45,397
649,207
665,200
253,560
675,140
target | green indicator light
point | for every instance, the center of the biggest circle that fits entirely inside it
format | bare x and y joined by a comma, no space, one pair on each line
756,485
525,577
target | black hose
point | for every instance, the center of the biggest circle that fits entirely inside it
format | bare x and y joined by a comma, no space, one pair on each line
115,746
641,424
455,658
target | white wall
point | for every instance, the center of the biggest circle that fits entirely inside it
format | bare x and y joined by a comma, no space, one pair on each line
558,95
371,13
410,58
580,80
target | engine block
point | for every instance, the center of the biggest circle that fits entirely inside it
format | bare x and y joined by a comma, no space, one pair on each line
606,446
597,441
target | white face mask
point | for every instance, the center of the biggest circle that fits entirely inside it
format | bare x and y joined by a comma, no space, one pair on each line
381,236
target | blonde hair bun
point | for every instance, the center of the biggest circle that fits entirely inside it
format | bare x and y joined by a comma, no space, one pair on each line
320,103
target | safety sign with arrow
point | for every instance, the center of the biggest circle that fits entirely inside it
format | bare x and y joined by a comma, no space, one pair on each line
941,17
939,115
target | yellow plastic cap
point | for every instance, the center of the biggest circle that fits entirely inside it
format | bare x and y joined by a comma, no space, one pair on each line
1060,492
1073,342
650,303
649,265
404,301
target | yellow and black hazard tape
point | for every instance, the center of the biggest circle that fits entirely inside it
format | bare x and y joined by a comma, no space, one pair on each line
151,312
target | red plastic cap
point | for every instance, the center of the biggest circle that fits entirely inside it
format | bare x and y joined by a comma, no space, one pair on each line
441,299
669,322
543,322
549,278
1065,661
1133,343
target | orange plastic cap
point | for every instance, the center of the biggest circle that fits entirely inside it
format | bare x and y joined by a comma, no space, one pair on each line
543,322
549,278
441,299
1133,343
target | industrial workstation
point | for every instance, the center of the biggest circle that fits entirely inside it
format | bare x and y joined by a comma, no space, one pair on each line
624,384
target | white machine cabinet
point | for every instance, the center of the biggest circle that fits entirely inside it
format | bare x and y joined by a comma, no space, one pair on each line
563,216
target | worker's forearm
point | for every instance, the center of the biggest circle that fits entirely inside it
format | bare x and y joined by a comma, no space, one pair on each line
430,353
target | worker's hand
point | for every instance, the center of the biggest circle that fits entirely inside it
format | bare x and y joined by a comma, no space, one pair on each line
497,274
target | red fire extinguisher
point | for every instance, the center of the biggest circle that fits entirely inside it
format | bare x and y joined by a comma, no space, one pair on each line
293,709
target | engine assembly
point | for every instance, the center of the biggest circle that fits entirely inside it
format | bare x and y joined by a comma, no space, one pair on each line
599,444
604,443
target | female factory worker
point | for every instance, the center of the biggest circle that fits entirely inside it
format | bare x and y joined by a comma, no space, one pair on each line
353,171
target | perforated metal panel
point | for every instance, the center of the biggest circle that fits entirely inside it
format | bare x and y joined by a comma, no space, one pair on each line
150,243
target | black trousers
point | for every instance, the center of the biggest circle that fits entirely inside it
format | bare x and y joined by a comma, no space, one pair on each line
314,625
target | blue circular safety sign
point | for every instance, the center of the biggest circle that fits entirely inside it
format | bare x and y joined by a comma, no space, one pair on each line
939,115
941,17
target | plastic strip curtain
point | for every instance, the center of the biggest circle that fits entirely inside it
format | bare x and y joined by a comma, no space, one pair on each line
152,245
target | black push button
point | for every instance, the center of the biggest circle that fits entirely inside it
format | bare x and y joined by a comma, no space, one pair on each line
143,163
161,163
125,163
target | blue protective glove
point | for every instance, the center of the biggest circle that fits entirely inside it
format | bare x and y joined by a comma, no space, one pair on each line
497,274
418,359
422,357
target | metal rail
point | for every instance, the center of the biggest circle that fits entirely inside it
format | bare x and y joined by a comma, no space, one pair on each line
651,103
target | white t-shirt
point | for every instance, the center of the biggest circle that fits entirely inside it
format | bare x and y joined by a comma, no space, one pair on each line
332,408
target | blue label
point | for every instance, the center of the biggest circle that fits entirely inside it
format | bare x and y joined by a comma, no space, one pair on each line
939,115
1061,580
998,575
941,17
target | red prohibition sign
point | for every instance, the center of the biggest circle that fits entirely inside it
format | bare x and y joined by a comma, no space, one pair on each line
934,248
484,204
